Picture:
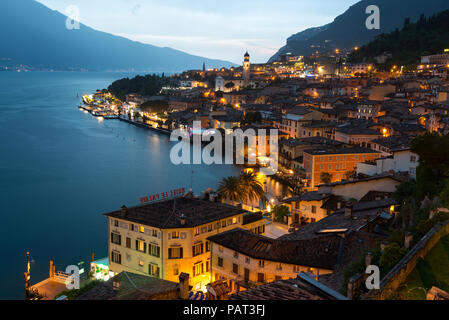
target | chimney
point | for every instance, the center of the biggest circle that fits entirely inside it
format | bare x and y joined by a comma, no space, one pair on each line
124,211
183,219
115,284
408,240
184,286
368,259
51,272
348,210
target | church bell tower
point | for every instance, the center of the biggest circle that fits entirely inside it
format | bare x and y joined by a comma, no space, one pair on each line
246,69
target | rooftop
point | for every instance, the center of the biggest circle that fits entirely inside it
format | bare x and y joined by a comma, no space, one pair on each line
131,287
301,288
319,252
167,214
330,151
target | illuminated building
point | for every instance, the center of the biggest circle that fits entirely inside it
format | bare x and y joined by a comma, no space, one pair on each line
164,239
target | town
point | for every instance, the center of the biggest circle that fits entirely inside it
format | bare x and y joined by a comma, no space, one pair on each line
363,151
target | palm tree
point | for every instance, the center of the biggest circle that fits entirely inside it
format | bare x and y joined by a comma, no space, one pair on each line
231,189
252,187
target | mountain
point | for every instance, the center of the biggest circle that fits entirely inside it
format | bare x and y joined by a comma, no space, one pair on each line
406,46
348,30
34,35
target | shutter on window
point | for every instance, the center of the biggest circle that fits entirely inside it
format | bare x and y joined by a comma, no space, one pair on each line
181,253
137,244
144,247
202,248
169,253
158,249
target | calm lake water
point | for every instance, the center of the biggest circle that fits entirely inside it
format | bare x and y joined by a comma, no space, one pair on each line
61,169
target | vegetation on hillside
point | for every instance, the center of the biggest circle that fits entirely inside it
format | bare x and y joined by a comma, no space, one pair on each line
426,36
148,85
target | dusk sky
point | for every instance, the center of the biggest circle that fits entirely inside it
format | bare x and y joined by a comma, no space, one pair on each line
214,29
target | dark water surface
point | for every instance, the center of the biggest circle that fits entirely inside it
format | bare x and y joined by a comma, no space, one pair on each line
60,169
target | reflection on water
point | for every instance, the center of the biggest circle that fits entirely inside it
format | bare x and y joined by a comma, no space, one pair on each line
61,169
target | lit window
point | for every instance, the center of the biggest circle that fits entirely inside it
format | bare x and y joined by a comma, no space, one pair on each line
141,229
175,235
141,263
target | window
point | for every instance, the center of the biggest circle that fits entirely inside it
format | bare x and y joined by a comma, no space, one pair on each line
296,269
141,246
223,224
141,263
175,253
115,223
279,266
116,257
175,235
235,268
196,231
154,250
220,249
220,262
141,229
197,249
209,228
313,209
208,265
116,238
236,255
207,246
234,220
155,233
412,158
198,269
277,278
175,270
261,263
154,270
247,260
128,242
260,277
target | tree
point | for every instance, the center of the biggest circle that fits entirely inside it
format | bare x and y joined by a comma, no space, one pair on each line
325,177
350,175
253,188
280,212
230,188
391,256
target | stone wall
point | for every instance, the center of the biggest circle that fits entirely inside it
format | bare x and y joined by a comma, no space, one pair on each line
399,274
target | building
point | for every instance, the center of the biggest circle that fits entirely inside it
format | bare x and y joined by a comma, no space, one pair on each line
304,287
360,136
401,160
246,70
358,188
131,286
311,207
164,239
337,162
292,122
246,260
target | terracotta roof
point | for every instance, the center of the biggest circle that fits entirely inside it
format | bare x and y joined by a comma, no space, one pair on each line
167,214
131,287
319,252
301,288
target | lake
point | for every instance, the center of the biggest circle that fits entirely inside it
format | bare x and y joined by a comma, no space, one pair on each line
61,169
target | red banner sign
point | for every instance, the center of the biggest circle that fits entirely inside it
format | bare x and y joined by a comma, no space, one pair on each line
163,195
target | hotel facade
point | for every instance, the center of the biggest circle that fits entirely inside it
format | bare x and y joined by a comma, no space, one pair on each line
167,238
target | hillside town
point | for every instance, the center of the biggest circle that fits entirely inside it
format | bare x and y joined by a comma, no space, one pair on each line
353,151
